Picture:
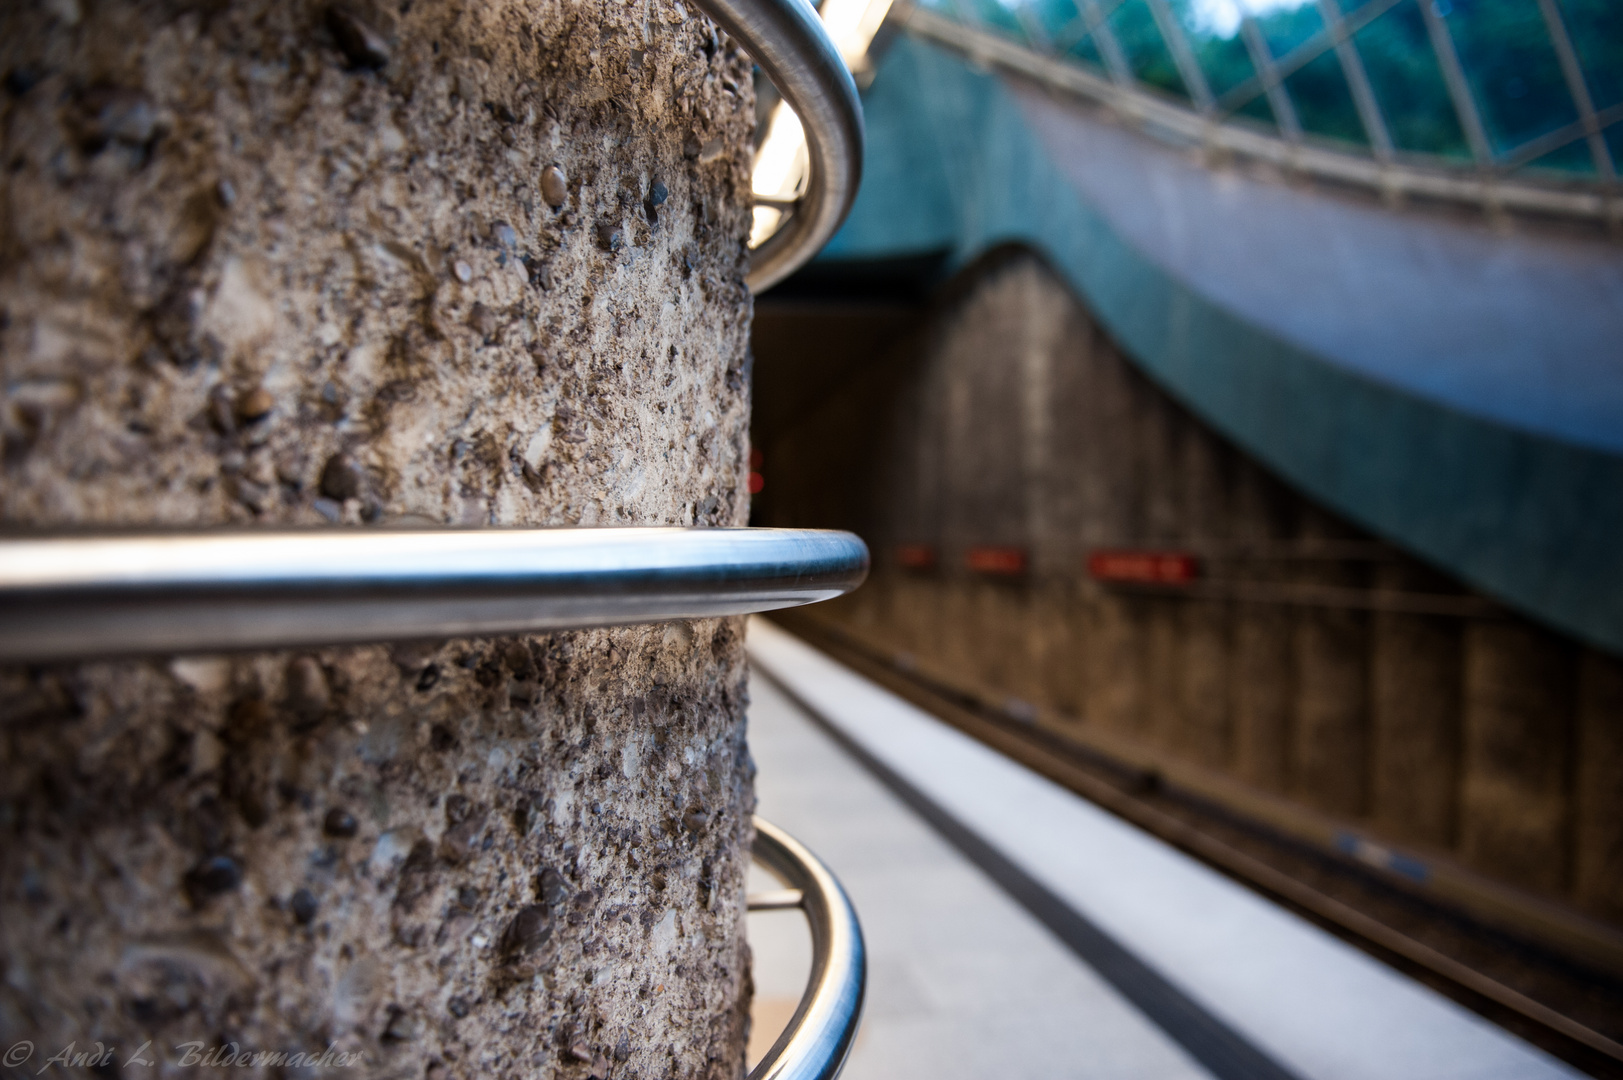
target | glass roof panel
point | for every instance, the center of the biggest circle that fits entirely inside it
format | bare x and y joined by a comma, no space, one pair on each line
1260,113
1324,103
1596,30
1511,66
992,15
1408,84
1514,72
1058,20
1216,44
1087,52
1288,26
1574,157
1146,51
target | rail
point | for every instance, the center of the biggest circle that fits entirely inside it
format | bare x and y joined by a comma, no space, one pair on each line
77,597
84,597
787,40
819,1036
1133,790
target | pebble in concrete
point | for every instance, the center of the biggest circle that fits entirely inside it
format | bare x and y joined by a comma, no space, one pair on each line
361,45
211,877
340,478
609,236
254,405
554,186
308,694
340,823
303,905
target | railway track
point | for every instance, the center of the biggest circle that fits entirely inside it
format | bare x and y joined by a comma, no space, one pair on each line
1569,1010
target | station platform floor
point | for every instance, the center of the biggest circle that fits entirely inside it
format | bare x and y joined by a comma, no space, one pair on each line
1015,929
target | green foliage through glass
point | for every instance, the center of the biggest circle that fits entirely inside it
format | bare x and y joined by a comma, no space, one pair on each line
1511,65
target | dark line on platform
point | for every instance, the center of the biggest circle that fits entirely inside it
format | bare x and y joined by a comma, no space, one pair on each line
1064,762
1225,1053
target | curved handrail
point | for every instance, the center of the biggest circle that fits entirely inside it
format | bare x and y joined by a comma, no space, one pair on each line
79,597
819,1036
788,41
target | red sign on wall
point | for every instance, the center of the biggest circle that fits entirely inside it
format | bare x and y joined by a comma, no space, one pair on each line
916,556
1003,561
757,479
1144,567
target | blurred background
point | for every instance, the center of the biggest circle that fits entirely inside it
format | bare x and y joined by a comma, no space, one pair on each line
1231,394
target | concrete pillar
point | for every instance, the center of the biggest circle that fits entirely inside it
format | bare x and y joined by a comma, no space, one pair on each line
1516,754
1330,743
1414,717
1110,477
1264,689
1057,643
1162,520
1163,672
1110,664
1206,669
926,488
1205,713
278,263
902,496
1598,846
1263,684
917,599
1115,663
1055,426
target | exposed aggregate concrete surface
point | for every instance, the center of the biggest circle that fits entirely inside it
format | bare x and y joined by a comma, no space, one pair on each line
269,262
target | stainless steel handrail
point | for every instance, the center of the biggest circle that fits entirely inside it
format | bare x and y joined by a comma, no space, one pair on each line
787,39
79,597
819,1036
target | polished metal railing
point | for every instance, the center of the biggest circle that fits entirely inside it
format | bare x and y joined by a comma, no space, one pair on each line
819,1036
95,596
92,597
134,593
787,40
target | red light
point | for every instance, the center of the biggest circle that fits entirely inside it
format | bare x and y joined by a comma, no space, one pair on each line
916,556
755,458
1144,567
1002,561
757,482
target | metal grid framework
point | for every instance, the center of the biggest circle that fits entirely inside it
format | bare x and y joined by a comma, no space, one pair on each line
1494,179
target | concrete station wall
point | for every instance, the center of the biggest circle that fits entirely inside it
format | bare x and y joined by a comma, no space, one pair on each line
1310,671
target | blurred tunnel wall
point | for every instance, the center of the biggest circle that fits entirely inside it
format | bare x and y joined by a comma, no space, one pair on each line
1306,674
